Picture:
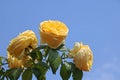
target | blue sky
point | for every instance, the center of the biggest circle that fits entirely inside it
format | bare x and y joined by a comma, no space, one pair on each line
94,22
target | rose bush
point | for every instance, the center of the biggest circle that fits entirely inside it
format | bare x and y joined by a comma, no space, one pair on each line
26,58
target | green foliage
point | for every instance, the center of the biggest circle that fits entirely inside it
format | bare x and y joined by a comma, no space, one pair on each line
2,71
65,71
54,60
27,74
69,68
1,58
12,74
43,59
40,70
77,74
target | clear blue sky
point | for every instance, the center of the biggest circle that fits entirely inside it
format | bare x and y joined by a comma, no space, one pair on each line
94,22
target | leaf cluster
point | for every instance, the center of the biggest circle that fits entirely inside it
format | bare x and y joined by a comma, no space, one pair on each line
43,58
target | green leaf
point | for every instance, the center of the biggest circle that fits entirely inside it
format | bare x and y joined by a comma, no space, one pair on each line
8,73
60,47
16,73
1,58
46,52
39,56
54,59
13,74
2,71
27,74
77,74
65,71
36,54
40,70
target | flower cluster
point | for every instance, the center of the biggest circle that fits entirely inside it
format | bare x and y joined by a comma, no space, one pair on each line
53,33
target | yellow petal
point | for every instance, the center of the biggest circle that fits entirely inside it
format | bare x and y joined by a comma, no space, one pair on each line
75,49
53,33
22,41
84,58
14,62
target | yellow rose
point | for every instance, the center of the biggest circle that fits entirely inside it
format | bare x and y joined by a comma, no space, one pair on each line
14,62
26,40
82,55
53,33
